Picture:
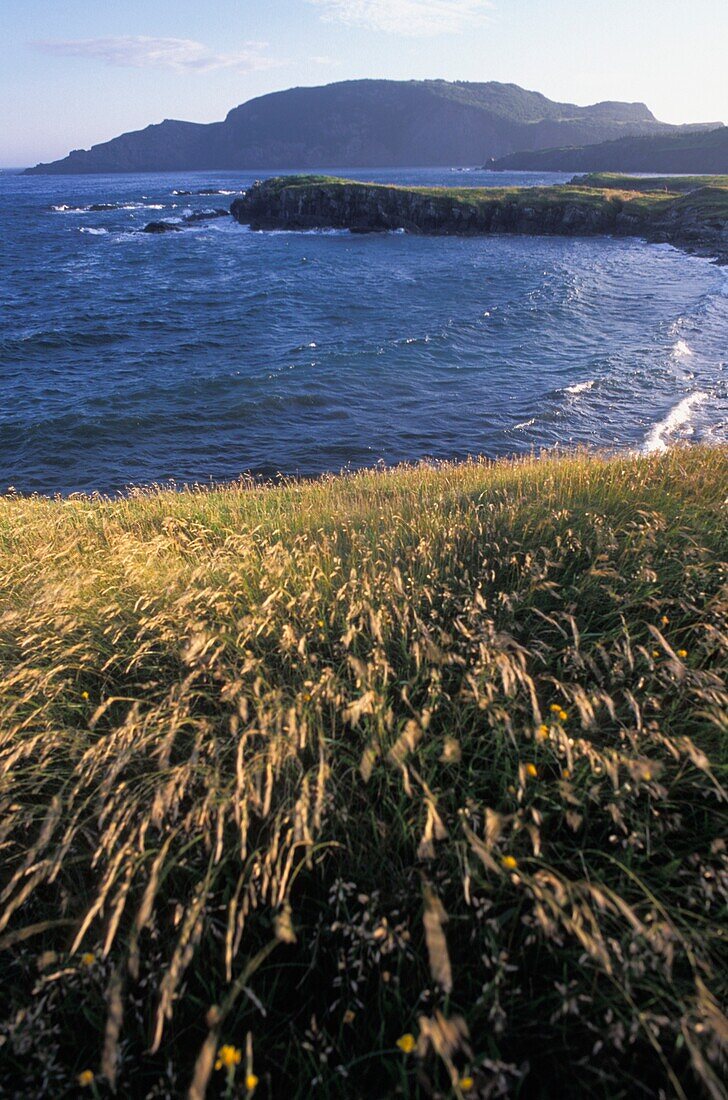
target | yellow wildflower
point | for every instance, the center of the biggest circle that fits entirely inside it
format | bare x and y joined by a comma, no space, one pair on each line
555,708
655,653
665,620
647,775
88,958
563,715
407,1043
509,863
85,1078
682,653
227,1057
566,773
542,733
84,695
531,770
466,1083
251,1082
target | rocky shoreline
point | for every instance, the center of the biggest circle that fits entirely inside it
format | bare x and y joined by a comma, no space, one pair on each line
696,221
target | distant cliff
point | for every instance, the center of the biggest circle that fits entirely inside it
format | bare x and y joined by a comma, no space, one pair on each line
366,123
694,220
691,151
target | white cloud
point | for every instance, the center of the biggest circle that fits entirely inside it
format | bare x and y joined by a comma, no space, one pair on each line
410,17
179,54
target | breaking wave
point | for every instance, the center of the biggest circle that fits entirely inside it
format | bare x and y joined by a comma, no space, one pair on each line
677,424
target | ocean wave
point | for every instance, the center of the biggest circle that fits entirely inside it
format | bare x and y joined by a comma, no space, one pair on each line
580,387
208,191
678,422
302,232
105,207
682,350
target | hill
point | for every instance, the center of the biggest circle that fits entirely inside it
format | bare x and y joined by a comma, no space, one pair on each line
410,783
363,123
694,151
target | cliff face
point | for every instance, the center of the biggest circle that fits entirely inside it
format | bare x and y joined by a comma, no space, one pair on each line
697,220
693,151
363,123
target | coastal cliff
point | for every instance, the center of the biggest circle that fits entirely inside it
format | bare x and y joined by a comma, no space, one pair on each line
696,220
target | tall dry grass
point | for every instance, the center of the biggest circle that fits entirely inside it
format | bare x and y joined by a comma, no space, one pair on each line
403,784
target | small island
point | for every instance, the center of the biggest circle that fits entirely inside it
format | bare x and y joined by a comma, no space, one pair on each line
691,214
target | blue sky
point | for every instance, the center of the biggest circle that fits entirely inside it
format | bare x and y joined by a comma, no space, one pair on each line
75,72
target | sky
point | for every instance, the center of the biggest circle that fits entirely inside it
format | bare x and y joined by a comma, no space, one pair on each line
77,72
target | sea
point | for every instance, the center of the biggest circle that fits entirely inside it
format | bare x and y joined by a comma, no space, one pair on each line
196,357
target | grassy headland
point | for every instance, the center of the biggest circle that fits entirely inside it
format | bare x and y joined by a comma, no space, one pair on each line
696,220
405,784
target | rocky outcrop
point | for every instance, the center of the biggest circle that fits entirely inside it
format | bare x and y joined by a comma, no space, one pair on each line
206,216
161,227
697,221
188,219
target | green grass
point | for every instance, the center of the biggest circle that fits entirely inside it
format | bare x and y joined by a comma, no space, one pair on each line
675,184
302,770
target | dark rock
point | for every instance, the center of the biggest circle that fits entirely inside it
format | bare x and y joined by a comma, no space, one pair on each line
161,227
206,215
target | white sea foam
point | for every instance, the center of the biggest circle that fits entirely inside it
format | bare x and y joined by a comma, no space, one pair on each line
65,208
93,231
580,387
682,350
677,420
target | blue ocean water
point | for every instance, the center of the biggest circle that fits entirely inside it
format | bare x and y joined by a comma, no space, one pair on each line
127,359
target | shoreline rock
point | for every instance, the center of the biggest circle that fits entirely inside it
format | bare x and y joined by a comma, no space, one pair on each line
161,227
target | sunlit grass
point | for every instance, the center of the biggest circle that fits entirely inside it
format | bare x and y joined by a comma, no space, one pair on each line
409,783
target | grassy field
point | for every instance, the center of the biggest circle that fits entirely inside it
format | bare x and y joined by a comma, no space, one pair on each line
611,180
406,784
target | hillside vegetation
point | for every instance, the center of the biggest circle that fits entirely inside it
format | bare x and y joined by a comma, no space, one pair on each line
691,150
409,783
